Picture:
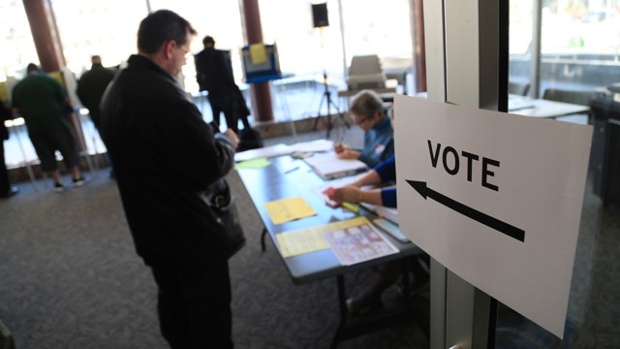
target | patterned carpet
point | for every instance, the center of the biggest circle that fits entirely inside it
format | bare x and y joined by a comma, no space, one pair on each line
70,278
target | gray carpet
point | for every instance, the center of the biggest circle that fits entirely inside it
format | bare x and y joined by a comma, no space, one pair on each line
70,278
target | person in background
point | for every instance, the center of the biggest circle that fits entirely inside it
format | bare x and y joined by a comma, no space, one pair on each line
43,104
92,85
167,159
369,114
6,190
214,74
90,89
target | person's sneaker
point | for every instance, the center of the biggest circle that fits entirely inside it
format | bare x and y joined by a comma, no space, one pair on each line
79,181
58,187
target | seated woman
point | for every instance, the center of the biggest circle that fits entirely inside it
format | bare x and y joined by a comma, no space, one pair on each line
369,114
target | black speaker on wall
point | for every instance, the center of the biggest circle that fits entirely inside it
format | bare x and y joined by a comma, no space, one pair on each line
319,15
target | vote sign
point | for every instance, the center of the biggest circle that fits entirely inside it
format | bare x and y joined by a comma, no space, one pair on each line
496,198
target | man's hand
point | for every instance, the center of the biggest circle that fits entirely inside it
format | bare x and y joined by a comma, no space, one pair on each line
233,137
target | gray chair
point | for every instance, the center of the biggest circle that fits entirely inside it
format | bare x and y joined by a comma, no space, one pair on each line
573,97
568,96
366,72
518,88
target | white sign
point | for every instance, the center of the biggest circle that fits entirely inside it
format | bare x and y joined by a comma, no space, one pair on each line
496,198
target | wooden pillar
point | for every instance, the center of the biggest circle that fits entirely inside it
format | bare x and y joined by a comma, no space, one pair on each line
44,34
419,50
261,92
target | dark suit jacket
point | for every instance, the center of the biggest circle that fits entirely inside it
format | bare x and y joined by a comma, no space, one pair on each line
214,72
91,87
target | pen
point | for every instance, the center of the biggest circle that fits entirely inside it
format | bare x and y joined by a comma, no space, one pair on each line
351,207
292,169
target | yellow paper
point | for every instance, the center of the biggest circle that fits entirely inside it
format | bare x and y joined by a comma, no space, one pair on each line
258,54
4,93
254,163
296,242
285,210
58,77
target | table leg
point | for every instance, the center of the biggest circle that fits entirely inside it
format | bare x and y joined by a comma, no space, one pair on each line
344,313
262,239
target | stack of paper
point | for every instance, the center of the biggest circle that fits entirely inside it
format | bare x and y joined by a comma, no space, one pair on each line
388,213
265,152
358,242
353,241
329,166
319,145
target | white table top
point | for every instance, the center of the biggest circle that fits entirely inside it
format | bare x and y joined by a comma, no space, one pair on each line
543,108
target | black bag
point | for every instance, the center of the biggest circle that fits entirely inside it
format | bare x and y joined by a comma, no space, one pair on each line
249,138
240,110
224,211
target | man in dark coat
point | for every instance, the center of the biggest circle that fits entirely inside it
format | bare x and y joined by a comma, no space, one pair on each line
214,74
167,160
90,89
91,86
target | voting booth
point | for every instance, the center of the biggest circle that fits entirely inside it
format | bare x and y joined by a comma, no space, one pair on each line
260,63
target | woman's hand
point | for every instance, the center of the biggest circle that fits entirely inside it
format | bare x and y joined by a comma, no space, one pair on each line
340,147
346,194
348,154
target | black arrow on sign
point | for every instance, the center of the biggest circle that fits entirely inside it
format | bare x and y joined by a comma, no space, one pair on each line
474,214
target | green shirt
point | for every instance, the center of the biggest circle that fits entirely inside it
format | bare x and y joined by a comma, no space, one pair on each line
41,101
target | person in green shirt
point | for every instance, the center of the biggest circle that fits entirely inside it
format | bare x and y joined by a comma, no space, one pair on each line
43,104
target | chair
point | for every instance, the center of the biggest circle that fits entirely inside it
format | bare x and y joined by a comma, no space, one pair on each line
568,96
573,97
366,72
518,88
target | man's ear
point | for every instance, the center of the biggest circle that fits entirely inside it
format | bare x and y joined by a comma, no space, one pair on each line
168,48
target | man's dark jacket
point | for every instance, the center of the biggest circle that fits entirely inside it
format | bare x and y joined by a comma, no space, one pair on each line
214,72
90,89
165,156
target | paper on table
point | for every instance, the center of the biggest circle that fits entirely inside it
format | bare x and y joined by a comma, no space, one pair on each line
358,241
254,163
329,166
318,145
289,209
388,213
321,190
294,243
264,152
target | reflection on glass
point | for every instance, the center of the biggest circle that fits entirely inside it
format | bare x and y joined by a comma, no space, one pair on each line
579,61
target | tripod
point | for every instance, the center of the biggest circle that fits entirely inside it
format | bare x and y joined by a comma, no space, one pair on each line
327,97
